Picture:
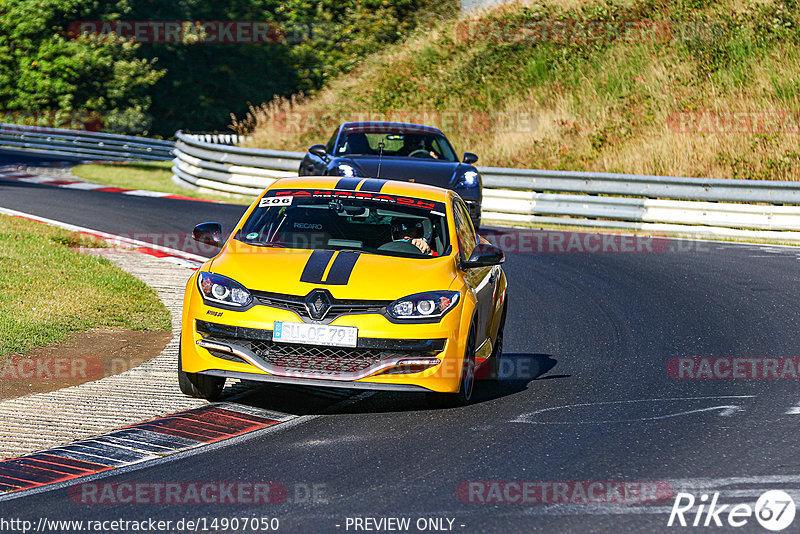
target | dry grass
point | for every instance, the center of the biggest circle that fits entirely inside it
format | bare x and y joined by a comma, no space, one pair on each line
608,106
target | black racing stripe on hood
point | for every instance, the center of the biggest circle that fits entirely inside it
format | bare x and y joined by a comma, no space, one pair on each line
316,265
349,183
342,267
372,185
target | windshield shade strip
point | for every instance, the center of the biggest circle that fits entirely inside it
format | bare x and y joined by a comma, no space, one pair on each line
362,195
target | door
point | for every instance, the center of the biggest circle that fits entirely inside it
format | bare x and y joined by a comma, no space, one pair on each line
480,280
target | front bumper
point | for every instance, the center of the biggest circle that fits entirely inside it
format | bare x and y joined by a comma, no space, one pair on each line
389,356
372,356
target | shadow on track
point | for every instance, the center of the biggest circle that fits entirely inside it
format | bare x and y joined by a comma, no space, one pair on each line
517,371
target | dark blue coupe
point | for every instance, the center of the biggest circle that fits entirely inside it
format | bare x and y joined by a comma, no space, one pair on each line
397,151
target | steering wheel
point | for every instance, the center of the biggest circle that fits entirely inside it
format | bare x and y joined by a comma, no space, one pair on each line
405,247
421,153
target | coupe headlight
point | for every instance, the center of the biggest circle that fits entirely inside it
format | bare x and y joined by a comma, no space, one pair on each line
223,290
346,170
468,179
433,304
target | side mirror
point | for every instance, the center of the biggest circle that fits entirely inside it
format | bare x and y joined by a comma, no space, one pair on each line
209,233
470,158
484,255
319,151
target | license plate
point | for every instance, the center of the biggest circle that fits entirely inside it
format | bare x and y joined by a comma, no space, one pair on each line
315,334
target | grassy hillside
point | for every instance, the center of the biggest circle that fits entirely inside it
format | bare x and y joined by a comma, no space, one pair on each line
686,87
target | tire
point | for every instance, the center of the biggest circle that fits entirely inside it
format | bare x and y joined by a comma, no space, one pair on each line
197,385
497,350
467,384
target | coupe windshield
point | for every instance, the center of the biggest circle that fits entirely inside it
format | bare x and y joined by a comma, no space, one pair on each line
382,224
403,144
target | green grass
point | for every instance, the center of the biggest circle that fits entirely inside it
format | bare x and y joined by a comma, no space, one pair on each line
154,176
48,290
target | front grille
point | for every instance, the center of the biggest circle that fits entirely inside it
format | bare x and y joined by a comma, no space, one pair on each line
338,307
295,358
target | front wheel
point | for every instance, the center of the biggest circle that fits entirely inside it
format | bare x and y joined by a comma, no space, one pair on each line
197,385
467,384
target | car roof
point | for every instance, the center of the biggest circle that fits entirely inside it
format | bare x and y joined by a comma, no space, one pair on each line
387,126
390,187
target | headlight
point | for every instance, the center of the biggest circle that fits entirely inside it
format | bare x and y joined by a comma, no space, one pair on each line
433,304
346,170
223,290
468,179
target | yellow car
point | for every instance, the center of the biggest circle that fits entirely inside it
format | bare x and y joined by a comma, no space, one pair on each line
346,282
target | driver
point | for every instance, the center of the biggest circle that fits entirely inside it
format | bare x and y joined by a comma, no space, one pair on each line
413,143
410,230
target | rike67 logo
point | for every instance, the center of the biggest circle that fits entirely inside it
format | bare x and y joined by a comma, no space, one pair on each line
774,510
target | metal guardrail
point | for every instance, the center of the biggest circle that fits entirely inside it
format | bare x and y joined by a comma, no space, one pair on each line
695,206
81,145
229,169
675,188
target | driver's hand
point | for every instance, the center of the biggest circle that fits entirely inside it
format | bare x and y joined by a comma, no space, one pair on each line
422,245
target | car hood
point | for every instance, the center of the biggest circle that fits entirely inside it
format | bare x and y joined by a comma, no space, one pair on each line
346,274
423,171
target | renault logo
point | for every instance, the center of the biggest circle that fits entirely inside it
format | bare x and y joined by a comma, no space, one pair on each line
318,302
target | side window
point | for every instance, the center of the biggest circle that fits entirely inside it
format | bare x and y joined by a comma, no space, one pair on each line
464,230
329,147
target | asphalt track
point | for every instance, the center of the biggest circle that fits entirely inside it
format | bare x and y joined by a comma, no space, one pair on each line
586,397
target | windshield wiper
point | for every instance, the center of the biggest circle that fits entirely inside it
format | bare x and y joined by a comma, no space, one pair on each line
269,244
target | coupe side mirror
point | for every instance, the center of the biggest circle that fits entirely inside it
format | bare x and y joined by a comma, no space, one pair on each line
319,151
470,158
209,233
484,255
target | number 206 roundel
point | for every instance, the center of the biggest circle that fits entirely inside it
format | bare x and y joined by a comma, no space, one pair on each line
274,201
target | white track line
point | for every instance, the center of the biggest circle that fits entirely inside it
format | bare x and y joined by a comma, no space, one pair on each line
194,259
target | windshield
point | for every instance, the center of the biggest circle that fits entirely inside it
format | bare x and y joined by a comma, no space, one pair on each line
408,144
342,220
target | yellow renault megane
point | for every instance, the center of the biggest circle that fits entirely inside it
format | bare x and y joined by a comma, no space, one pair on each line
346,282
